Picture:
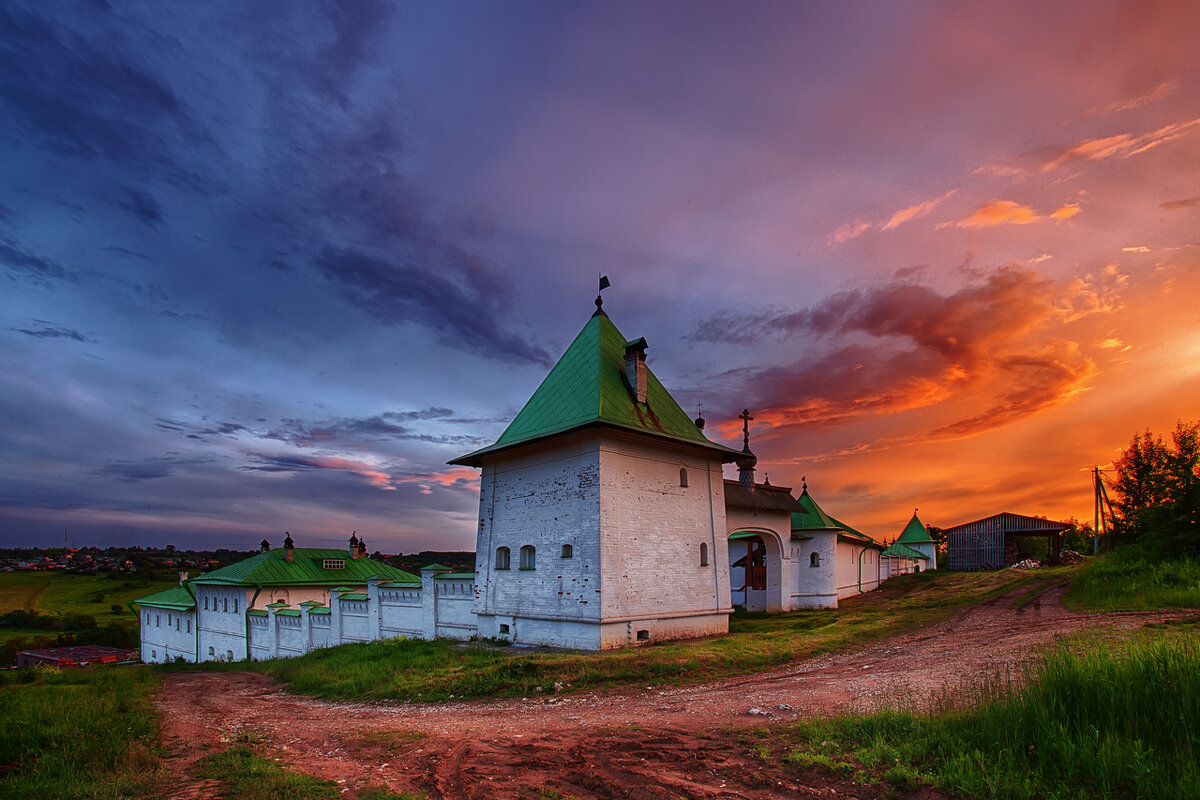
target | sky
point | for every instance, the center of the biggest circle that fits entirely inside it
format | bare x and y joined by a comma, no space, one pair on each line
268,266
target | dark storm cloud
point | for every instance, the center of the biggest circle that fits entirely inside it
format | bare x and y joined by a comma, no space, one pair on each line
23,264
303,433
142,206
49,330
404,293
145,469
76,96
924,347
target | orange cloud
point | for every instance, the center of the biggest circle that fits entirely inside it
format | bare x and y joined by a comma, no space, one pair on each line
851,230
999,212
1007,212
914,212
1122,145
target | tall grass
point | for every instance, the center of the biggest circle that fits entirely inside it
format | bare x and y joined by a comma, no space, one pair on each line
1124,581
78,733
1123,724
414,670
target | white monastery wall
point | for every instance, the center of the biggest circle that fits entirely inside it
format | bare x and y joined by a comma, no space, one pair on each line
546,500
652,529
857,571
816,586
167,635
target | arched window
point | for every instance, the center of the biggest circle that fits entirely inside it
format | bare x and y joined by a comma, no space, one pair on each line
225,604
501,558
683,477
235,605
568,551
212,652
528,559
704,554
814,559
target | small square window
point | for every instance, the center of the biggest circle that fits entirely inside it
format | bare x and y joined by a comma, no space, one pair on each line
504,629
643,636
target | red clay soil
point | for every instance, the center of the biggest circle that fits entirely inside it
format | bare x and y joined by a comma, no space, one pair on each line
629,743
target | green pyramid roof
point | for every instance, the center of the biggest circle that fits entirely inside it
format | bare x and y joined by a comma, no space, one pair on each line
812,518
587,387
306,567
914,532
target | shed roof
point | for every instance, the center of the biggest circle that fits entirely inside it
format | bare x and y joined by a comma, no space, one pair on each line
1011,523
307,567
914,532
588,387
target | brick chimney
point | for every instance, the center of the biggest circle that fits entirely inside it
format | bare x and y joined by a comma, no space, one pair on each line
354,544
288,547
635,368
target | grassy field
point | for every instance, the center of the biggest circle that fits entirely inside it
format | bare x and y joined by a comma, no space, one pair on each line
1112,719
79,733
412,670
1122,581
51,592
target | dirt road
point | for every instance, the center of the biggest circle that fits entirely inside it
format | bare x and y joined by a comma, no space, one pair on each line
637,742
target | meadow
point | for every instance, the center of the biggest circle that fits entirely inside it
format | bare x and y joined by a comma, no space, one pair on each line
1105,715
66,603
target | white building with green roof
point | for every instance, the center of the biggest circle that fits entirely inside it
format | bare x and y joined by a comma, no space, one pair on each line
604,521
288,601
602,509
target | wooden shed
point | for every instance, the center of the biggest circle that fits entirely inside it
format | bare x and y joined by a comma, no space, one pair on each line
990,543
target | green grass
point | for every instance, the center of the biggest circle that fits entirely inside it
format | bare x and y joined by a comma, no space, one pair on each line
413,670
1121,581
246,771
53,592
1096,723
79,733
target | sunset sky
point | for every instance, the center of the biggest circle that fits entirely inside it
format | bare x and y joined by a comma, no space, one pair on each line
267,266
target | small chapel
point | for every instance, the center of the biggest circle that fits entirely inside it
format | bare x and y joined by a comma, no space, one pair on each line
605,521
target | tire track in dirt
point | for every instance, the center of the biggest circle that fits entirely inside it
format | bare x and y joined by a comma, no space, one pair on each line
630,742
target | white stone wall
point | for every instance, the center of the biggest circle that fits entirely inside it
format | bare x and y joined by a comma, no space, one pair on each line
167,634
816,587
221,619
546,499
651,529
633,533
857,569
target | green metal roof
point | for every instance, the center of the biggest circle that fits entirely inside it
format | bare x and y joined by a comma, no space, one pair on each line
914,532
903,551
306,568
588,387
177,597
812,518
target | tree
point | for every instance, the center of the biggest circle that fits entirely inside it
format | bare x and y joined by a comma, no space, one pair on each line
1158,491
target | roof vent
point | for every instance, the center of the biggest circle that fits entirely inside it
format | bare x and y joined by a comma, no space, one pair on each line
635,368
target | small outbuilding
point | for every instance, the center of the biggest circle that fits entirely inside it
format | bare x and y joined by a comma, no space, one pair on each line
77,656
991,542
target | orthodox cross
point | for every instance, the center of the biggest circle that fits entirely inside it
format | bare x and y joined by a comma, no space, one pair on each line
745,418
